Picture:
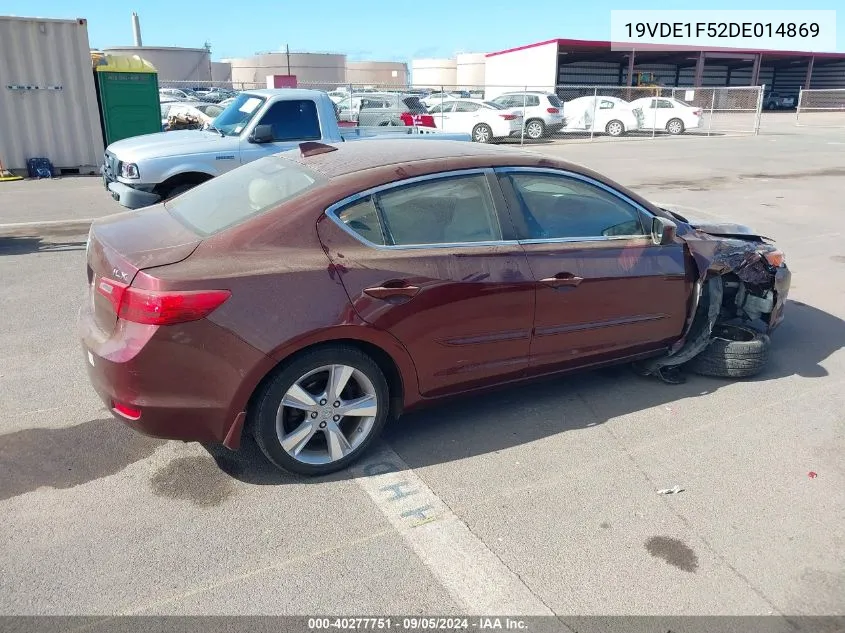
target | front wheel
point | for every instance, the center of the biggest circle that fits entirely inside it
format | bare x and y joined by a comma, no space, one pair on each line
321,412
615,128
482,133
675,126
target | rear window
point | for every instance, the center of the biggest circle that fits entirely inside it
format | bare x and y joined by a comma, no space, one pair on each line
243,193
414,105
553,99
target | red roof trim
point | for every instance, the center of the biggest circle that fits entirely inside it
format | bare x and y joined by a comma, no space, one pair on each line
575,44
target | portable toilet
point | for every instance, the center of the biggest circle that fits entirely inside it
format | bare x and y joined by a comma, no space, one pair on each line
127,91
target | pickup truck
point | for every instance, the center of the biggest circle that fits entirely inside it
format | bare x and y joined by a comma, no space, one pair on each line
144,170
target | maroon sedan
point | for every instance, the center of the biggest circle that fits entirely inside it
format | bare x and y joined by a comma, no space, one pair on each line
306,297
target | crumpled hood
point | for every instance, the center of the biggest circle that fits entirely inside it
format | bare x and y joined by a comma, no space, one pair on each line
175,143
727,229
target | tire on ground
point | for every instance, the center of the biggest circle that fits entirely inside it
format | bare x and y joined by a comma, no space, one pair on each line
735,351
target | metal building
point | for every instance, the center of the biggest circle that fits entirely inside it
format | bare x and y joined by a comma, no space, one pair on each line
433,73
48,104
585,62
470,70
377,73
312,70
173,63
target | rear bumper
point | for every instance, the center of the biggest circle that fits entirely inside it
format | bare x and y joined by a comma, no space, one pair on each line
190,382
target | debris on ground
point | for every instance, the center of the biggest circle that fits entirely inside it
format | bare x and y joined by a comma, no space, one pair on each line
812,474
670,491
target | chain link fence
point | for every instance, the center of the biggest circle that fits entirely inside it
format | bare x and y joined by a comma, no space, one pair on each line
821,108
529,114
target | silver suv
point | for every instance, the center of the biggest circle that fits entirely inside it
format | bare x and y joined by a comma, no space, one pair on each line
542,111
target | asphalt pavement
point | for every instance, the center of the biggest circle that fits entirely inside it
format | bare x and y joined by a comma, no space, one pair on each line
540,499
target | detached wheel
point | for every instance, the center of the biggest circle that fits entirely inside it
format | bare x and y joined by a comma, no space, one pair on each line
615,128
675,126
321,412
736,351
535,129
482,133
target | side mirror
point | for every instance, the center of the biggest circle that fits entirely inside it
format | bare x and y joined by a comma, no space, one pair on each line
261,134
663,231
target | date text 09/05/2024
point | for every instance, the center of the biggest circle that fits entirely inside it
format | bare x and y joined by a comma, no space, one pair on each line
723,29
417,624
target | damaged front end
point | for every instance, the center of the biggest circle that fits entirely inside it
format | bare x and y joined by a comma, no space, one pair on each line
741,278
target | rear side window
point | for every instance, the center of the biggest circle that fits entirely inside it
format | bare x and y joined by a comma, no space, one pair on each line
241,194
294,120
556,103
414,105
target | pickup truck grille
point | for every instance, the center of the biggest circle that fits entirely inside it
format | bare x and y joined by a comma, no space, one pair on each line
110,163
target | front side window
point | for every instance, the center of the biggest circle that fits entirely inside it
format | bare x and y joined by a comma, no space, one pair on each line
606,105
450,210
293,120
562,207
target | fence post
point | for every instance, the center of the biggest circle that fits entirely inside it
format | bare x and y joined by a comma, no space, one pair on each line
759,112
595,106
712,105
798,107
441,109
524,106
654,119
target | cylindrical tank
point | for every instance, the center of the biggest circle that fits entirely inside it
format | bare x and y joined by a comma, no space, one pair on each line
377,74
470,70
172,63
434,73
312,70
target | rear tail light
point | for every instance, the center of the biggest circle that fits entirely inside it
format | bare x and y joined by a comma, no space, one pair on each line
156,307
129,412
697,112
553,110
508,117
420,120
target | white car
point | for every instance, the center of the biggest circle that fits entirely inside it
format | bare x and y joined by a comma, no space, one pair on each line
542,111
609,115
661,113
483,120
175,93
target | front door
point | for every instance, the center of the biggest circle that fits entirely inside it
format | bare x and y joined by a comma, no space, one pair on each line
434,261
604,289
293,121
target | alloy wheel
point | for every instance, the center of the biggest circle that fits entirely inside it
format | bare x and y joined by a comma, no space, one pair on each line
326,414
534,130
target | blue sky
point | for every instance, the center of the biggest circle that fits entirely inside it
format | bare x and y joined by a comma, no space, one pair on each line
396,30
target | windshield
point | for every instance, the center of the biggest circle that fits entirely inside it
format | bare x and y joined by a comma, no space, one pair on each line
238,114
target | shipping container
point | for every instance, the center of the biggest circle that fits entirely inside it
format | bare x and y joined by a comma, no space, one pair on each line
48,104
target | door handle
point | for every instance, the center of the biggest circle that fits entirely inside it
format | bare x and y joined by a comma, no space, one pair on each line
393,288
562,279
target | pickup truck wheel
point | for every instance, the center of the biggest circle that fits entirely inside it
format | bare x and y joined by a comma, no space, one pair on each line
736,351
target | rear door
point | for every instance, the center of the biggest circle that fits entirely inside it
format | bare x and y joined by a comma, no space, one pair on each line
293,121
442,114
433,261
604,289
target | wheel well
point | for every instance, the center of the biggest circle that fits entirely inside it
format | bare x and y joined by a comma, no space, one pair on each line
384,361
532,119
188,178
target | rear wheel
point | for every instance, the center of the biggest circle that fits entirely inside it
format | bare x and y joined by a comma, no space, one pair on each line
675,126
615,128
535,129
322,411
482,133
736,351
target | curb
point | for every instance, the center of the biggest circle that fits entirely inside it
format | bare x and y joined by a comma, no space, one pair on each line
32,228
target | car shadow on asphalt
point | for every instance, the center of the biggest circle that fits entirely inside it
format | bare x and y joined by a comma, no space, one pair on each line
24,245
516,415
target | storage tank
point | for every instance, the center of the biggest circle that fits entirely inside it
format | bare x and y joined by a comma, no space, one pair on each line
312,70
221,72
48,104
434,73
470,70
173,63
377,73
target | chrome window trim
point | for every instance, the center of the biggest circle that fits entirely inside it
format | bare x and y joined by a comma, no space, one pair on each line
589,181
332,211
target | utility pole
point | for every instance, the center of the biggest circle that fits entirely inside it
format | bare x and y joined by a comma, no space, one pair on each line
287,53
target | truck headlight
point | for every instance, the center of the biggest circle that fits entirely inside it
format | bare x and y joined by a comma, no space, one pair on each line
128,170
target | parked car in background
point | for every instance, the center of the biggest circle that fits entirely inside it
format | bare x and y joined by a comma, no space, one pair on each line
177,94
608,115
392,109
483,120
143,170
542,111
779,101
663,113
309,297
215,94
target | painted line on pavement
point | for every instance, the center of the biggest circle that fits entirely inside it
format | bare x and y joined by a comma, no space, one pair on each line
478,581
